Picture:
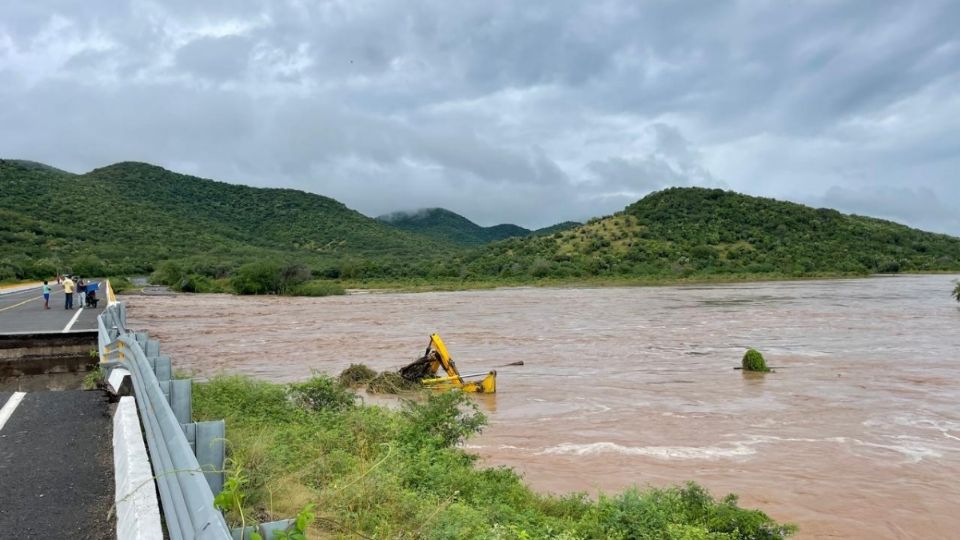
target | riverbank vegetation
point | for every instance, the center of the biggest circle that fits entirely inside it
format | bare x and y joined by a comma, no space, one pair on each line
374,472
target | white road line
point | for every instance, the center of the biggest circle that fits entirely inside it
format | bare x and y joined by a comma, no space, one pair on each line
7,411
19,292
19,304
73,320
11,292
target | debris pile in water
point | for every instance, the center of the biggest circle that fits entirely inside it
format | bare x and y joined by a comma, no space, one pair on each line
390,382
356,375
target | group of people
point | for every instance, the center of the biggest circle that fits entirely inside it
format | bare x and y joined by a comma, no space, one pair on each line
71,285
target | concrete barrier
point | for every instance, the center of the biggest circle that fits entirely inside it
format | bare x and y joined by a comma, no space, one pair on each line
138,513
119,382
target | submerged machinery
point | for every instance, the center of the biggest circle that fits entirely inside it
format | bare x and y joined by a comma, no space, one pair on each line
426,371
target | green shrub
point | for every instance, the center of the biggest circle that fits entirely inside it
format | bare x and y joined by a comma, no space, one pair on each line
956,290
88,266
93,379
168,273
317,287
540,267
356,375
445,419
8,273
45,268
753,361
292,275
196,283
261,277
322,393
120,284
888,267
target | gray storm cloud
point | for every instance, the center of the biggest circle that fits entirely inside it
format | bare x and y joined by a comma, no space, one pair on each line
525,112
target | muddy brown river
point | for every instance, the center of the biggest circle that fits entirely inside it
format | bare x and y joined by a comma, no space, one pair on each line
856,434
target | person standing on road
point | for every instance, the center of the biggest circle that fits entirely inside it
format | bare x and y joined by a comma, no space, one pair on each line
81,290
46,295
68,292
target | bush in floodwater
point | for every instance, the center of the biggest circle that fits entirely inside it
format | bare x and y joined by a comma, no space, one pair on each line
956,290
390,382
753,361
260,277
316,287
196,283
356,375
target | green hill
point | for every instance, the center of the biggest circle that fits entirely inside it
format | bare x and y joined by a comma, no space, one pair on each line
128,217
444,225
682,232
447,226
559,227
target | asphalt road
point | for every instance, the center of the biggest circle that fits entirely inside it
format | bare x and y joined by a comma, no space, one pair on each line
56,467
22,312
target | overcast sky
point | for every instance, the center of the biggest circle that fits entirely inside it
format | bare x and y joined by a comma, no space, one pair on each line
521,111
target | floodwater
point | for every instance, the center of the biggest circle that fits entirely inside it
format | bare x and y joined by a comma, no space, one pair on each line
856,434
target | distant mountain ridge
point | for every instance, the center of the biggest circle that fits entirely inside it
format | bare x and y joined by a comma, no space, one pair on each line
445,225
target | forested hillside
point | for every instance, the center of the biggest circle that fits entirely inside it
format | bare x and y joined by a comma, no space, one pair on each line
128,217
444,225
696,231
562,226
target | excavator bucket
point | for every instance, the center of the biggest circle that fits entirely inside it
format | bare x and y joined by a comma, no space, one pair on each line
426,371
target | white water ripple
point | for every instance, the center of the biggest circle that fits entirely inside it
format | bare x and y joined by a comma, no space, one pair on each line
660,452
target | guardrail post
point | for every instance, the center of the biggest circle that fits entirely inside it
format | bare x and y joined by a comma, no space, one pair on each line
180,396
162,367
152,348
208,442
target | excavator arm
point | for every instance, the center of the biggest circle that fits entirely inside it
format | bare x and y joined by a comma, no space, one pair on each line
437,357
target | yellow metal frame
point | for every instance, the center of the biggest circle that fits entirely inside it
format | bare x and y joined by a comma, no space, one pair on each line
453,379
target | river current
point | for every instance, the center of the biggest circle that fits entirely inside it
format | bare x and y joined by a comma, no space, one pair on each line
855,435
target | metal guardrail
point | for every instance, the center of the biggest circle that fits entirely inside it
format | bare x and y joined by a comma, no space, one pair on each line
185,487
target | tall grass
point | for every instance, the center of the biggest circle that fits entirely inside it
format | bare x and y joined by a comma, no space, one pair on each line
384,473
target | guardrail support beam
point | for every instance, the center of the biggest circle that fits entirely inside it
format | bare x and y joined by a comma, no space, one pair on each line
152,348
179,393
162,367
208,442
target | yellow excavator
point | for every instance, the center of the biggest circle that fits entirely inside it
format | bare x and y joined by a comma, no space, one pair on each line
426,368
